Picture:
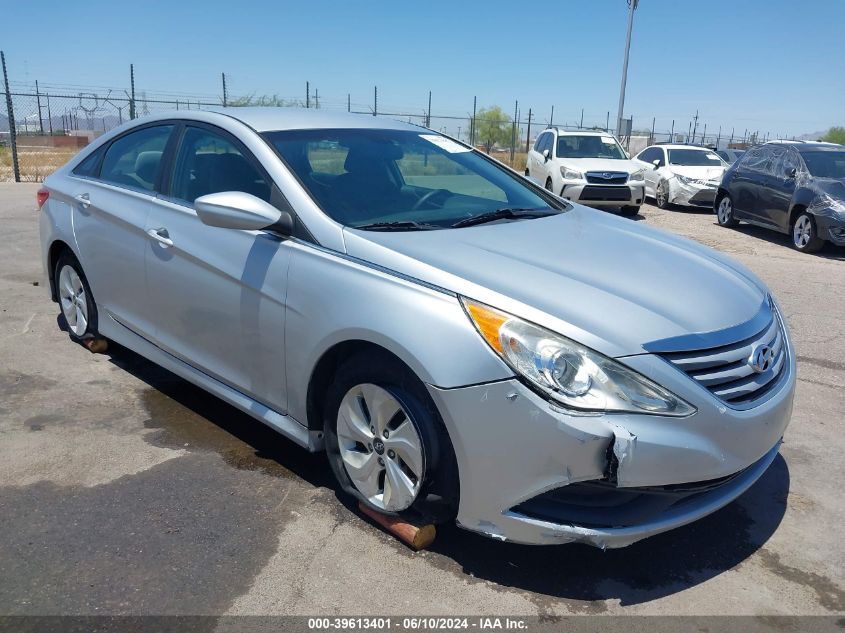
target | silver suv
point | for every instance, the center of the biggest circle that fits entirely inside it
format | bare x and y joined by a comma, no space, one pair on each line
462,344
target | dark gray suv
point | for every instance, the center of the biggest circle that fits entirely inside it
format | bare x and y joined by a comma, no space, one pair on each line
796,188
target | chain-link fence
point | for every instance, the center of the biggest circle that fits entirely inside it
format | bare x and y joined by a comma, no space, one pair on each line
40,130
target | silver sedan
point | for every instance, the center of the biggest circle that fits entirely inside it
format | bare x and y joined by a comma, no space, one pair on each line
461,343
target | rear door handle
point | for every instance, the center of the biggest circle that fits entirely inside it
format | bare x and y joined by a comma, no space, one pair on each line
83,199
160,235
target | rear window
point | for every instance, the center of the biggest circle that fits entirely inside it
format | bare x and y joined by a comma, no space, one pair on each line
134,160
91,165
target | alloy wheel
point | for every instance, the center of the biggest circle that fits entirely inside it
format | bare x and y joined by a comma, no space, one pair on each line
660,195
802,232
73,300
380,447
725,210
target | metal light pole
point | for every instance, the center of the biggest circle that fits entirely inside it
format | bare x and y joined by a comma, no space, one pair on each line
632,6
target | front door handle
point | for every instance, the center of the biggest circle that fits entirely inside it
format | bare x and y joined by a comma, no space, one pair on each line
160,235
84,200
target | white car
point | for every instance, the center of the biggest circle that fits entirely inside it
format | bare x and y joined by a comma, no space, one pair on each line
681,174
586,167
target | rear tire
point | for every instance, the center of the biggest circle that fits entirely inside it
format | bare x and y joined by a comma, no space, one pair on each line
629,212
725,212
386,443
75,298
805,236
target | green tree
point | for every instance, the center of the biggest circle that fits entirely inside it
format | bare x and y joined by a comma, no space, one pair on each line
492,126
835,135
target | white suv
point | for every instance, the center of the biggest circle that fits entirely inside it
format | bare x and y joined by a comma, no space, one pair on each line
681,174
586,167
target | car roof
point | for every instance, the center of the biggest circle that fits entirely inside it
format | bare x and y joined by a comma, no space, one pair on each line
578,132
682,146
266,119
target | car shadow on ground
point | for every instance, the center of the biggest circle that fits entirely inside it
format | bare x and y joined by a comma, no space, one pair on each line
648,570
828,251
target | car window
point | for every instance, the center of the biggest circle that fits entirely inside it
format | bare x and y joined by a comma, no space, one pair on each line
589,146
423,167
545,141
538,143
725,156
134,160
366,176
756,159
90,166
694,158
651,154
209,162
825,163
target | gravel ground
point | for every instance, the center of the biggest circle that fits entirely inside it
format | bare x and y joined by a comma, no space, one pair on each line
125,490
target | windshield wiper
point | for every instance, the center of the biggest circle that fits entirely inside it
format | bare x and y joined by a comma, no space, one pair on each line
502,214
403,225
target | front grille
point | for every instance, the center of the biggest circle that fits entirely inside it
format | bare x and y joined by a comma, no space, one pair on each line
605,193
726,371
607,177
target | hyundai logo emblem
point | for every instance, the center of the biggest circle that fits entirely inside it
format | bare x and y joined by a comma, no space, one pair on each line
761,358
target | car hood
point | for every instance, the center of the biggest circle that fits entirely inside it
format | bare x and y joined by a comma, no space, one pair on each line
699,173
607,282
600,164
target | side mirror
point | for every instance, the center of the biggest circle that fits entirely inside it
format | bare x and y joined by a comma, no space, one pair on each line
239,210
546,154
656,163
790,173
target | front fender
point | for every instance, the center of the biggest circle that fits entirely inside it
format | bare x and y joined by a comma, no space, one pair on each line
332,299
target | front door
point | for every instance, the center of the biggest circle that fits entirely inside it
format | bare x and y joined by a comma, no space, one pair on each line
218,294
778,186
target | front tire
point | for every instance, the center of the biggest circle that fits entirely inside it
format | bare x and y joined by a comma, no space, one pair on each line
75,299
725,212
805,237
661,195
386,443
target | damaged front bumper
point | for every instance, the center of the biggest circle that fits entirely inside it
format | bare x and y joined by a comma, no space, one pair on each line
693,195
519,455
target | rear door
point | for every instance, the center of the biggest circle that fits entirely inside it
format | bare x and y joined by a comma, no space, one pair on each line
218,295
110,209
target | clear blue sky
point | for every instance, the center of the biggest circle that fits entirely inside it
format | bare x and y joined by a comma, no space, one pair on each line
772,65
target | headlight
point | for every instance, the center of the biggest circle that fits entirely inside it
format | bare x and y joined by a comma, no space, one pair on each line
567,372
637,175
571,174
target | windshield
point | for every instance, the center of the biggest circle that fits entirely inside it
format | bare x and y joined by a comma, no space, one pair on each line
694,158
400,179
589,146
825,164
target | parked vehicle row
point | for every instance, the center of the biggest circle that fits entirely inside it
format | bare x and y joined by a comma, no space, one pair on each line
797,188
461,343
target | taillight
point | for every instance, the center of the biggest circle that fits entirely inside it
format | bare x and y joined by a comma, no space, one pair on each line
42,196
